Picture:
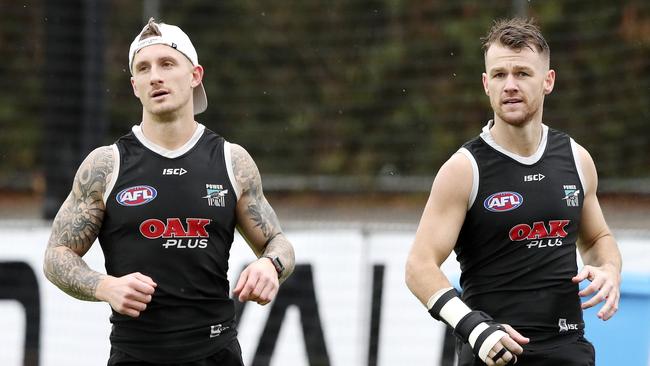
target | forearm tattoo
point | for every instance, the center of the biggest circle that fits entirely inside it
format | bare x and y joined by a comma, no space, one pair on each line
76,227
281,247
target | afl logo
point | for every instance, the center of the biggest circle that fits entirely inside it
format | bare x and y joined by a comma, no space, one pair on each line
503,201
136,196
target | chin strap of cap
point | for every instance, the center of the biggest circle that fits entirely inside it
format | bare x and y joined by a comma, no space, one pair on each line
471,326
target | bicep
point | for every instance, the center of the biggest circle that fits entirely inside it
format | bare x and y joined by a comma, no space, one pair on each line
444,213
439,227
592,223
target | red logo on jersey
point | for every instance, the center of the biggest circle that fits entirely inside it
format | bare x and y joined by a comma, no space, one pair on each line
136,196
539,230
174,228
503,201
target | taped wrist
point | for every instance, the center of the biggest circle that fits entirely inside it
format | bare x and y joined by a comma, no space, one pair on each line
473,327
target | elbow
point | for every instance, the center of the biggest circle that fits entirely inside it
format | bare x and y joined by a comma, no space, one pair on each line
410,272
47,267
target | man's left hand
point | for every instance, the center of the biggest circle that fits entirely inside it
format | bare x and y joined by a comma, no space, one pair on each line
605,284
258,282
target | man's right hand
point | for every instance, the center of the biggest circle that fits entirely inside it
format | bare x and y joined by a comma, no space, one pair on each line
507,348
127,295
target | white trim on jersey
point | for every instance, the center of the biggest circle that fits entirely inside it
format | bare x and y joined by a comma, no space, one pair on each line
137,131
231,174
526,160
474,192
116,173
576,158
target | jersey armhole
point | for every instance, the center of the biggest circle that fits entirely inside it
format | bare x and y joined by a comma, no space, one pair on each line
116,173
231,175
578,163
474,191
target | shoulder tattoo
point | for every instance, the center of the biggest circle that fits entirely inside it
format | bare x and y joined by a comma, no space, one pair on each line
78,222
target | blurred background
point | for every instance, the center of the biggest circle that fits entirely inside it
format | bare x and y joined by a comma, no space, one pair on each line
348,107
330,97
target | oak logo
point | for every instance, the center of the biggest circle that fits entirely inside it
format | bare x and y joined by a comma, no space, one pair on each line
136,196
539,230
193,235
174,228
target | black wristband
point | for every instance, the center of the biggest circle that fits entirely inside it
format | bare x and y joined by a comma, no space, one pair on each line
467,324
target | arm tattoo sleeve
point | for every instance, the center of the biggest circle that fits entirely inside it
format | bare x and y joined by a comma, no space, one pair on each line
76,227
257,207
267,238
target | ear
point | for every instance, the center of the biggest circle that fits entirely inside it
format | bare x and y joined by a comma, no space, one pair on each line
484,78
549,82
135,89
197,75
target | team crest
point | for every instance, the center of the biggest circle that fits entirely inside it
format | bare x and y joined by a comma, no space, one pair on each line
571,195
216,195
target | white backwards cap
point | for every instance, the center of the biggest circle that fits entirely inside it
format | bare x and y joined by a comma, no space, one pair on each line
175,38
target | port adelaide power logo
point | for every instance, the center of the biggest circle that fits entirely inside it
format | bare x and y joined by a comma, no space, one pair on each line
216,195
503,201
136,196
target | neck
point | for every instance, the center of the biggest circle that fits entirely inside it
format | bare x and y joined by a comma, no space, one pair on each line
167,132
522,140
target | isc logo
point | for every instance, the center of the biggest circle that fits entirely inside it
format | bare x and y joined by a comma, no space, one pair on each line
503,201
534,177
174,171
136,196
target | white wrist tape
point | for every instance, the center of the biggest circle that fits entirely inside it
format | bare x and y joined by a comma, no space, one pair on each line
453,310
470,326
436,296
476,332
488,343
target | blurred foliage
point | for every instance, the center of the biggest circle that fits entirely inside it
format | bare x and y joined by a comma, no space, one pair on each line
364,87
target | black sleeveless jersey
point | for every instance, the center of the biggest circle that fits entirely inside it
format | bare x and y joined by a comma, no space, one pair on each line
171,216
516,248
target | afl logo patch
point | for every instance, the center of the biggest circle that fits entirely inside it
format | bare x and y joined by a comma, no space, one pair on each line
503,201
136,196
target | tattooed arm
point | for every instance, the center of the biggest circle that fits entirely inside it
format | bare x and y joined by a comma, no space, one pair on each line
76,227
74,231
259,225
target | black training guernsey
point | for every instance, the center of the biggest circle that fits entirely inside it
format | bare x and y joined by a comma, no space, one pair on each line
517,248
171,215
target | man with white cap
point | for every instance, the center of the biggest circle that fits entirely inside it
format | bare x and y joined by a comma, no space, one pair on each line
164,201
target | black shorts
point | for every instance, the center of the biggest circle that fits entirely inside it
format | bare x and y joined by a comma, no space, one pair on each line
578,352
229,356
